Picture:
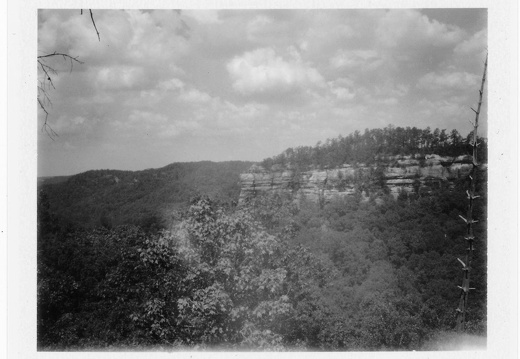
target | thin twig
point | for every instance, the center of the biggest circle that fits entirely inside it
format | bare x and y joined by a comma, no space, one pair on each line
46,84
45,68
94,23
48,129
44,109
61,54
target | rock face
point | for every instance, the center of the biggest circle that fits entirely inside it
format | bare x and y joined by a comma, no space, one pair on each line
397,173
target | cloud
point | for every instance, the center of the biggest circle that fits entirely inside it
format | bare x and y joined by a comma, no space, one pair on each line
356,58
154,124
448,81
204,16
251,83
343,93
447,111
75,128
128,36
256,28
475,44
120,77
170,85
156,38
389,101
138,123
146,118
263,70
409,28
263,28
341,88
194,96
178,128
173,89
222,117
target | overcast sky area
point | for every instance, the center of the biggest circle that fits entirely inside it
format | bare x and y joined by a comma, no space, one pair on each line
180,86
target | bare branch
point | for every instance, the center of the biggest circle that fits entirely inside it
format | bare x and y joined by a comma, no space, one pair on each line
46,127
45,84
61,54
94,23
49,131
44,109
43,92
469,220
46,70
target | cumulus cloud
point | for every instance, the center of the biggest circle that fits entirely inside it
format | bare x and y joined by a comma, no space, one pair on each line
120,77
447,111
475,44
262,80
343,93
263,70
146,118
203,17
170,85
178,128
342,89
356,58
222,117
448,80
173,89
154,124
128,36
194,96
76,128
411,28
389,101
257,26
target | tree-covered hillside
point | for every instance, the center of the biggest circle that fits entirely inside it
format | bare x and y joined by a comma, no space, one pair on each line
355,273
270,275
146,198
374,143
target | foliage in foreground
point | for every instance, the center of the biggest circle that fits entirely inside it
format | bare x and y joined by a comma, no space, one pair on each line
218,279
270,276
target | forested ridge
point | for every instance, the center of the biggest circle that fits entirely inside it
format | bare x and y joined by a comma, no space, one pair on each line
144,198
272,274
374,144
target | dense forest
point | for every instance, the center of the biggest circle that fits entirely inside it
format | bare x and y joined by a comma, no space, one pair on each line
374,144
271,274
145,198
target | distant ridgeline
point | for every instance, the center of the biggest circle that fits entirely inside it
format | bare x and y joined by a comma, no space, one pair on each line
146,198
393,160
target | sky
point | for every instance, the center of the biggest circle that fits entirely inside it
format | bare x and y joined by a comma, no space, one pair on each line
164,86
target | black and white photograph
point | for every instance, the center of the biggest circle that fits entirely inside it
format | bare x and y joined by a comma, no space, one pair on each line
266,179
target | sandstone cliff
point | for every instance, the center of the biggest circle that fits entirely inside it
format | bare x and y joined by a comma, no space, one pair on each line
396,173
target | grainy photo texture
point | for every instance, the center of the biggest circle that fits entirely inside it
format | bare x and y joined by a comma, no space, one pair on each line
252,180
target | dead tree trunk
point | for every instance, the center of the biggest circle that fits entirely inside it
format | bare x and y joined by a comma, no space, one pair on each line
469,220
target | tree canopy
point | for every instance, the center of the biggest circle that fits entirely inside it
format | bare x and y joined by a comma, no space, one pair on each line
372,144
272,275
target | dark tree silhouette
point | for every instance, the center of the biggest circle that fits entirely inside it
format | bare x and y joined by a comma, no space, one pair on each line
469,221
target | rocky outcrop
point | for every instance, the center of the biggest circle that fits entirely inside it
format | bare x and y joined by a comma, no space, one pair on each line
396,173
